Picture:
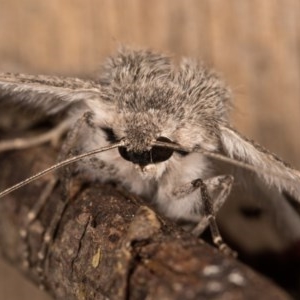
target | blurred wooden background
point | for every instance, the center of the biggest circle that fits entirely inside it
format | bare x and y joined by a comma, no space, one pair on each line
254,44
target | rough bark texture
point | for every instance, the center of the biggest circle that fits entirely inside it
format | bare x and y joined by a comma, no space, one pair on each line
109,245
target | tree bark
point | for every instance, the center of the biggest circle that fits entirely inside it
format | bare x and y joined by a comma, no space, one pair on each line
111,245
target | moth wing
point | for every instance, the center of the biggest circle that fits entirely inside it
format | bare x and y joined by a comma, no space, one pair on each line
278,226
272,170
50,94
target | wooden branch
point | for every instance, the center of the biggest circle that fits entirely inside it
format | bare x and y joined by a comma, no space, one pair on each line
109,245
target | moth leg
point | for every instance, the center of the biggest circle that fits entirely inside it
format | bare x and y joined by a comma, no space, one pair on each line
53,136
65,177
219,188
210,215
32,216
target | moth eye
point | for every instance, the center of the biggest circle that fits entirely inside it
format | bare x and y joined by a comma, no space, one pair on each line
141,158
159,154
155,155
124,153
110,135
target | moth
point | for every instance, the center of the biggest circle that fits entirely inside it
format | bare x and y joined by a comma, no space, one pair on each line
162,130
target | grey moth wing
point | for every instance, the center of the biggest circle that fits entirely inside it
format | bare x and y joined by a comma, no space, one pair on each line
50,94
258,205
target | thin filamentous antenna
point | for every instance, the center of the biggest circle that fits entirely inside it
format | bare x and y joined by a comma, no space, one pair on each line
60,165
221,157
156,143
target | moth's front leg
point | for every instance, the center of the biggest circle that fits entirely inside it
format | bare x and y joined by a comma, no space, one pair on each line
65,177
53,136
212,194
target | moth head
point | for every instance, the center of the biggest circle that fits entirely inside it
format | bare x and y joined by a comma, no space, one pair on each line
140,137
153,100
167,122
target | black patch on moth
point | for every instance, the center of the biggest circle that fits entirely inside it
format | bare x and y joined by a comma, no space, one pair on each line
110,135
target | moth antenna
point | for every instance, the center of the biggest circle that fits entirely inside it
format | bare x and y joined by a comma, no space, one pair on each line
60,165
221,157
